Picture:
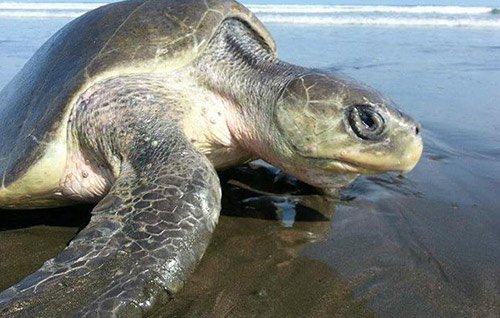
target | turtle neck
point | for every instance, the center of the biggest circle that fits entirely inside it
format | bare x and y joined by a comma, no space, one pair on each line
240,67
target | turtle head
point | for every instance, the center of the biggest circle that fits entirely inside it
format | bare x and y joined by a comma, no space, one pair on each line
335,126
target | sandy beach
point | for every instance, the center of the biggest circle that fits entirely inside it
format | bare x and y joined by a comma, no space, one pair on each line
423,244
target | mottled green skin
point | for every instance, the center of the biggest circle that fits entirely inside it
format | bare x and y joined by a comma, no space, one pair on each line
145,236
128,34
138,129
153,226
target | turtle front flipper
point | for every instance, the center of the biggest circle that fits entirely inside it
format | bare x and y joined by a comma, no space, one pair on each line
144,238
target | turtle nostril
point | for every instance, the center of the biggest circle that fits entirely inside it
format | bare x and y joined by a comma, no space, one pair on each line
417,129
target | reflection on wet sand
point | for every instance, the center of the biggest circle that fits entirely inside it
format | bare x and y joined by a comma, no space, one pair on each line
253,267
29,238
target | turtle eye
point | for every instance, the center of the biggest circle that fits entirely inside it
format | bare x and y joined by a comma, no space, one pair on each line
366,122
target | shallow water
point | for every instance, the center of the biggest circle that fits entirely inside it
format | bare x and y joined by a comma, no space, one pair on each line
424,244
427,243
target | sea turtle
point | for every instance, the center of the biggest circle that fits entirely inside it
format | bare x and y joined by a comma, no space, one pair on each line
133,106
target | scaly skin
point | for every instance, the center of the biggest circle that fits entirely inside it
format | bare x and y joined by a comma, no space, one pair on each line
152,227
295,117
145,235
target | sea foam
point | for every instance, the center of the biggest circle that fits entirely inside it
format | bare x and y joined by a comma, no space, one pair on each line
448,10
378,21
372,15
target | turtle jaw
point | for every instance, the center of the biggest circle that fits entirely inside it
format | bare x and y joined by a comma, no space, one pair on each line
336,126
373,165
400,152
336,171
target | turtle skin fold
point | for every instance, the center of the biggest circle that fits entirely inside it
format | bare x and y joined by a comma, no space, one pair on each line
144,238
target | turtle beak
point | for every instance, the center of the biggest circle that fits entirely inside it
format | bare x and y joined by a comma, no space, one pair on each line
410,159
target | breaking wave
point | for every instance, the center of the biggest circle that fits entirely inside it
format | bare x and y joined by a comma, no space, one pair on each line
448,10
34,6
380,21
371,15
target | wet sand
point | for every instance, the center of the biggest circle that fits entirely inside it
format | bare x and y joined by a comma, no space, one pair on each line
422,245
29,238
253,267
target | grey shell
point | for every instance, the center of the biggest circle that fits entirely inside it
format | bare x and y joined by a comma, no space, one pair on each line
34,104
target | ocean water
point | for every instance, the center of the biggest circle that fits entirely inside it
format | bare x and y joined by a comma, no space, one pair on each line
369,15
424,244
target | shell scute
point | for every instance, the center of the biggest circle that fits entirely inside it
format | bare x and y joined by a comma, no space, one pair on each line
132,36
